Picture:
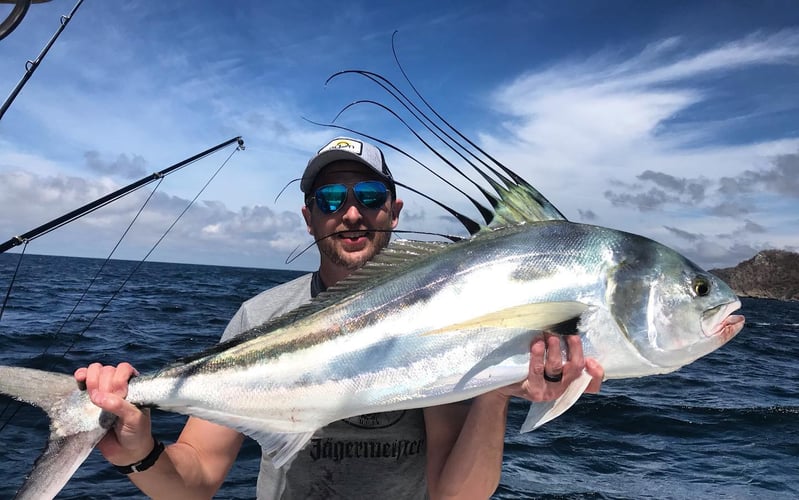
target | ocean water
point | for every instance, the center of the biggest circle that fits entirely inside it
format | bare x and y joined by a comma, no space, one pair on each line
726,426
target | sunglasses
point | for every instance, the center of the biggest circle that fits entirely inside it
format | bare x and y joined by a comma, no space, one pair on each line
370,194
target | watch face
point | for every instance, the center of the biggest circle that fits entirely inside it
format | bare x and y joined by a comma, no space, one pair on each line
375,420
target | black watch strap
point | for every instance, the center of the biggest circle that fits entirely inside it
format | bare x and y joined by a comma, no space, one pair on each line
146,462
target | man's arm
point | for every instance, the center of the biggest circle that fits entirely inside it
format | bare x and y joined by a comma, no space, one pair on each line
465,442
464,447
194,467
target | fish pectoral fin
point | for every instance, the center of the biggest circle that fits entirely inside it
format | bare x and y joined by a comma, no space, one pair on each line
541,413
282,447
560,317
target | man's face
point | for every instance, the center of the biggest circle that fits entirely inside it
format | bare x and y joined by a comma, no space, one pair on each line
363,232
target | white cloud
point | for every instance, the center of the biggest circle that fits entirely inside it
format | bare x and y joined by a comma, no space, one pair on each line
581,128
208,229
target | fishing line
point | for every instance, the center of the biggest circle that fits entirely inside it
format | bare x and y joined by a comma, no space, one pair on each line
152,249
18,405
99,271
466,221
108,258
111,197
291,258
13,279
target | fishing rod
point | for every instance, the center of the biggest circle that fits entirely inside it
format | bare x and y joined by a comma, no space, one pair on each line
101,202
31,66
89,208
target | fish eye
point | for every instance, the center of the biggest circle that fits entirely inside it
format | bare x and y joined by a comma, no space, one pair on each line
700,286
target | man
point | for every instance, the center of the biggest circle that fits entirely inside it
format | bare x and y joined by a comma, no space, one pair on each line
449,451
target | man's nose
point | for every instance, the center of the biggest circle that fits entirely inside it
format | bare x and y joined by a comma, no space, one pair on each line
352,213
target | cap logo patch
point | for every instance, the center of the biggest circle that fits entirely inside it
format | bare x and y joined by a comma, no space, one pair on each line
350,145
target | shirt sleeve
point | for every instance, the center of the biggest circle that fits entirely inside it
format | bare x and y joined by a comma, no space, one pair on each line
269,304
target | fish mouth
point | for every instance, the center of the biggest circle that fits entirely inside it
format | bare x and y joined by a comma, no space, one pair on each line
719,322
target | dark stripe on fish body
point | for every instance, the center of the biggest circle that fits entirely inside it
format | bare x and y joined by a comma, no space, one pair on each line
568,327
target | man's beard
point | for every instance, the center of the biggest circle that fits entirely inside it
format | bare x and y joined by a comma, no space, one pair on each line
327,246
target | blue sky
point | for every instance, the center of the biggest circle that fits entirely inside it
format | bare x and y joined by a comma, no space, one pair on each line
674,120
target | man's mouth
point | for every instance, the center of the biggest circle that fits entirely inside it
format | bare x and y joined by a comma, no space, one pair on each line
353,235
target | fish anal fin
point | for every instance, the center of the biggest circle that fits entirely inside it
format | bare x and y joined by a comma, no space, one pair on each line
282,447
541,413
562,317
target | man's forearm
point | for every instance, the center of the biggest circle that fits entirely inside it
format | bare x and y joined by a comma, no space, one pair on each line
164,479
474,465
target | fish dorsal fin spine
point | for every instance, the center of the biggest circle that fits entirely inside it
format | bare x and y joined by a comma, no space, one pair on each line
520,203
380,269
395,256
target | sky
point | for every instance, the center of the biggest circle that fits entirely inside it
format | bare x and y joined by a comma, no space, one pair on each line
675,120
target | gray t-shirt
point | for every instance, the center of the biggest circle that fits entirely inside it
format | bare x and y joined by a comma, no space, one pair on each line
380,455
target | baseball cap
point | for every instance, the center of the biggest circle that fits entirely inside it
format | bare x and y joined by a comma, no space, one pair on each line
346,148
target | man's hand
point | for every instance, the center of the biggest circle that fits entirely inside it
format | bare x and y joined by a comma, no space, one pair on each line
130,440
549,376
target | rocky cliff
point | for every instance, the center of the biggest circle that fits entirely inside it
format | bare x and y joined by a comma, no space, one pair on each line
771,274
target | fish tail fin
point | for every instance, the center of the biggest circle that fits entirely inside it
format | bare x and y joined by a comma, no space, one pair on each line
541,413
76,425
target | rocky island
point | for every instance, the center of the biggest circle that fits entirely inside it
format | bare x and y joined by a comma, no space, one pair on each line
771,274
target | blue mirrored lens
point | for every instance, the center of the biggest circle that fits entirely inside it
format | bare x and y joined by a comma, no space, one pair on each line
370,194
330,198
